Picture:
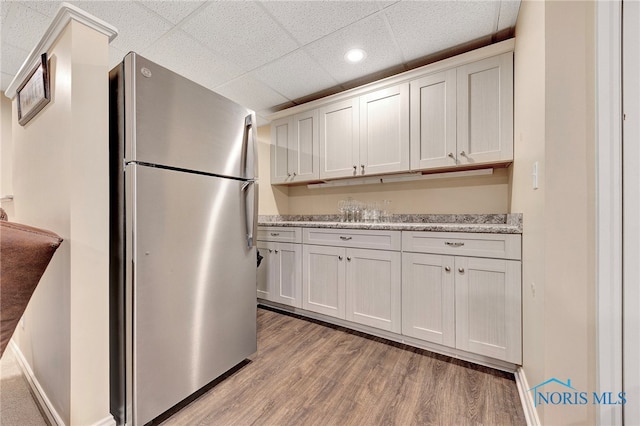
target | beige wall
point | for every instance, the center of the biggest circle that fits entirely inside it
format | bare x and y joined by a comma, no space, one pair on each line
554,115
60,181
6,153
529,147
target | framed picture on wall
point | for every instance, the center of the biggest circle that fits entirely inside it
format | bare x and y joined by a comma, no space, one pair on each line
34,93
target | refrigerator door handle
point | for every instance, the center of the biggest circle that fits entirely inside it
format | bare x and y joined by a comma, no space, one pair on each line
249,149
250,209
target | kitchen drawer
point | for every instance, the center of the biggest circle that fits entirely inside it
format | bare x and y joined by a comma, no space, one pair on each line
499,246
368,239
279,234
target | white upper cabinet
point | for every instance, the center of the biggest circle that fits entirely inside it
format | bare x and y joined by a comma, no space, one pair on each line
433,120
281,140
295,149
457,113
463,116
485,111
339,137
384,131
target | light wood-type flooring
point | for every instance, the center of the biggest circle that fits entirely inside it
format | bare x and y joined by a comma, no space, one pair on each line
310,373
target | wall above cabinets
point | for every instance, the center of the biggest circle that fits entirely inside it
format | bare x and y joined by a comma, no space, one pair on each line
455,114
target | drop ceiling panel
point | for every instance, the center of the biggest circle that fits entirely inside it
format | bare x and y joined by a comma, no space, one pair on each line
23,27
309,21
251,92
372,35
137,26
295,75
179,52
508,14
12,58
173,11
242,32
421,27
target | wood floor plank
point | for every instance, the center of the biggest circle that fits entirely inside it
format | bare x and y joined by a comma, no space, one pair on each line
310,373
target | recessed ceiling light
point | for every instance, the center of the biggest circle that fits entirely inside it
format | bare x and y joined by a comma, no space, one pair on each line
355,55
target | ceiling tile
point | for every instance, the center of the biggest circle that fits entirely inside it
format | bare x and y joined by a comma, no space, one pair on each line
23,27
309,21
5,81
47,7
115,56
295,75
173,11
12,59
508,14
251,93
137,26
240,31
179,52
370,34
429,27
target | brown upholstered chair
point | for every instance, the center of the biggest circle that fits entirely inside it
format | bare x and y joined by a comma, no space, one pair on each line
25,253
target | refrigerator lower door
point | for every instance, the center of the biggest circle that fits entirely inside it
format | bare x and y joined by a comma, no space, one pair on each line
194,285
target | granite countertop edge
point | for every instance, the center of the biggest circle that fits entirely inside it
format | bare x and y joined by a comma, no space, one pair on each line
497,224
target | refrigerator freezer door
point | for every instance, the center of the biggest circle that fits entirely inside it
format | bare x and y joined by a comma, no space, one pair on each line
194,284
175,122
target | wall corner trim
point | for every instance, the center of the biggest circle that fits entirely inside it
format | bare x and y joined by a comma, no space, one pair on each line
66,13
530,413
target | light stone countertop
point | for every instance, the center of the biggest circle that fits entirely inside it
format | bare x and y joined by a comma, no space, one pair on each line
482,223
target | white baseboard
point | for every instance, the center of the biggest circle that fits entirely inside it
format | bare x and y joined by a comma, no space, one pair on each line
530,412
43,401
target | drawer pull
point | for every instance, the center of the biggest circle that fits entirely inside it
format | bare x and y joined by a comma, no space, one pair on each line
275,234
343,238
348,258
339,257
454,244
461,270
447,269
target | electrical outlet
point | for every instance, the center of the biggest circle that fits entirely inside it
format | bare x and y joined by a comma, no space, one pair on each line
533,289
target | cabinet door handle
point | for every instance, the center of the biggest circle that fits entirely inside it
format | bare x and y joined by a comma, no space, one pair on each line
339,257
276,251
454,244
270,251
451,155
343,238
447,269
348,259
461,270
463,154
355,168
288,174
295,174
275,234
362,166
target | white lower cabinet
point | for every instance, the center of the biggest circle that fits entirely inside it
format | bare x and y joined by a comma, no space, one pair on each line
469,303
279,276
428,298
356,284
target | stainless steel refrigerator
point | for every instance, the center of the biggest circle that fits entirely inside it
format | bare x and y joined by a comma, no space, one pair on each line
183,219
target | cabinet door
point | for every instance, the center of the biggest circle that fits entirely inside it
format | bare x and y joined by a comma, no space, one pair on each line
485,110
287,282
488,307
281,140
433,121
304,151
373,288
384,131
323,280
267,269
339,139
428,297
